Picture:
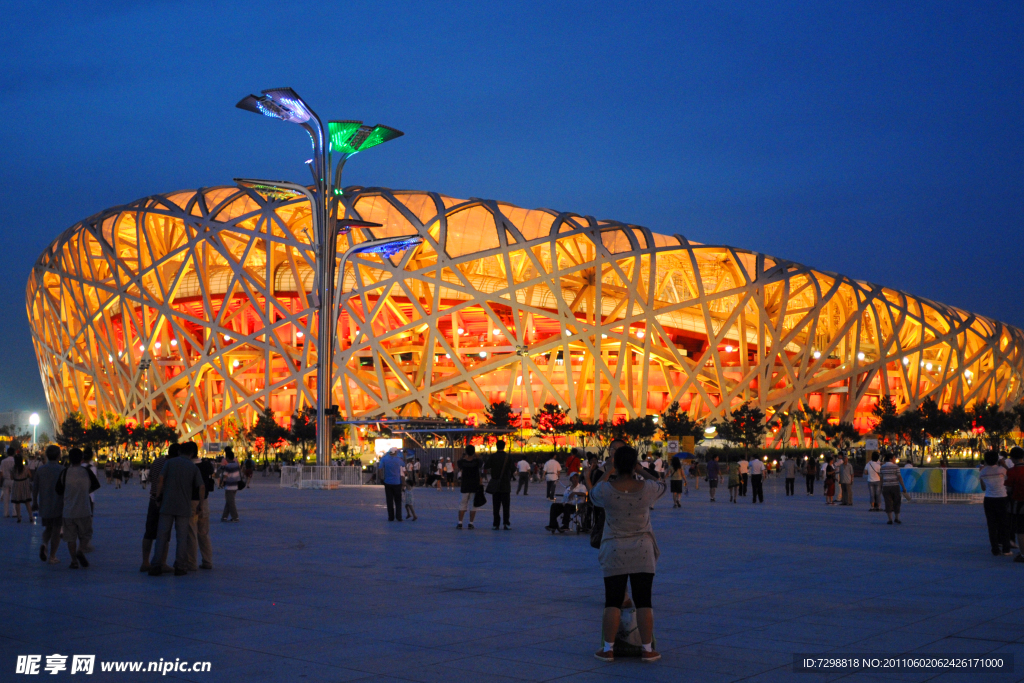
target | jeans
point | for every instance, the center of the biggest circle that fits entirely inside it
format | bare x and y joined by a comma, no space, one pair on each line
500,499
758,490
875,494
810,483
998,529
743,483
199,535
181,525
524,483
393,495
551,489
790,486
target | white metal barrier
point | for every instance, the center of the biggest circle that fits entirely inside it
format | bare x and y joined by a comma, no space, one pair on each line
321,476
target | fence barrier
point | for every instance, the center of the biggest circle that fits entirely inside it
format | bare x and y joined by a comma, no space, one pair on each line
321,476
942,485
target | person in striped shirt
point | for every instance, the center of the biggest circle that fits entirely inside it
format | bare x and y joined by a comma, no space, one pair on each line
892,487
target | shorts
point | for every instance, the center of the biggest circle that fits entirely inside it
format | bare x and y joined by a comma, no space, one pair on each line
152,521
449,477
676,485
640,584
77,529
467,498
893,499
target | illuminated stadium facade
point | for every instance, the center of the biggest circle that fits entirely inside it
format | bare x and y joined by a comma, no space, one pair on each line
194,308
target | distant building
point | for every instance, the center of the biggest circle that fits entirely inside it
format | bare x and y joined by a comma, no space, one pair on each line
20,420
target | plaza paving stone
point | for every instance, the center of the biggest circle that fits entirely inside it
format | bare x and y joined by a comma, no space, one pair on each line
318,586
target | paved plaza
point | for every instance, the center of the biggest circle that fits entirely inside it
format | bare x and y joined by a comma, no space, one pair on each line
318,586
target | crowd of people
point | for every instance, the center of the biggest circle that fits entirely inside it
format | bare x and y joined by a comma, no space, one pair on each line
57,492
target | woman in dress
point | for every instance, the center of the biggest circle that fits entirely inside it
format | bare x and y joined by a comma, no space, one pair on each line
734,480
629,551
830,482
677,480
21,490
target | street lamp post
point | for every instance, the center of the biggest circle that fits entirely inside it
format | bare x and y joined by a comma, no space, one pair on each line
33,420
344,138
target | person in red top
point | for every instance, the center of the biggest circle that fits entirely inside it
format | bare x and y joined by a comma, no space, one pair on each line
1015,492
572,463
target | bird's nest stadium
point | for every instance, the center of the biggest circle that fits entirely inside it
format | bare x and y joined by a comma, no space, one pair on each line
194,308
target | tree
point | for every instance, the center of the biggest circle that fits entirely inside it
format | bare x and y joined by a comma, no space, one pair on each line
97,435
303,431
500,414
676,424
72,431
550,417
266,432
995,424
639,431
886,421
746,425
839,435
816,422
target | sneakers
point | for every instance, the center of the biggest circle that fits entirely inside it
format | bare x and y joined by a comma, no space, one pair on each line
495,527
508,527
651,656
459,525
552,529
605,656
471,526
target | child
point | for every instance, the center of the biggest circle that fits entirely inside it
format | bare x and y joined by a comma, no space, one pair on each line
409,502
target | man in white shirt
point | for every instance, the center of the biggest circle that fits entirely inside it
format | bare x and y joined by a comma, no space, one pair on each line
744,473
523,468
873,473
659,468
551,472
756,476
575,493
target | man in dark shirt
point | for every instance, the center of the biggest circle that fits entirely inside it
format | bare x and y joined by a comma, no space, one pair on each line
199,529
470,467
501,466
50,505
153,512
179,481
713,476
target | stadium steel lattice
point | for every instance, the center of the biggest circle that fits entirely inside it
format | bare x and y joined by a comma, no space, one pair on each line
499,303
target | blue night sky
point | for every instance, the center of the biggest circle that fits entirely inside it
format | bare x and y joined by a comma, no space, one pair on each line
880,140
